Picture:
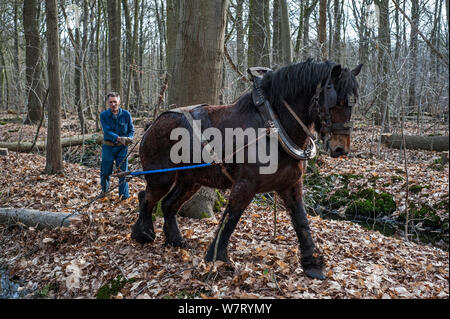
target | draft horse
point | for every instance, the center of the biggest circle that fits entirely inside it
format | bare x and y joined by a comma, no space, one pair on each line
321,94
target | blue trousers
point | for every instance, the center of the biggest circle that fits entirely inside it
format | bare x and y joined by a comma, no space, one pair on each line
109,155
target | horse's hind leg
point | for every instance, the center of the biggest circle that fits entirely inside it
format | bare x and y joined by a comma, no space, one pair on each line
312,265
241,195
143,231
170,206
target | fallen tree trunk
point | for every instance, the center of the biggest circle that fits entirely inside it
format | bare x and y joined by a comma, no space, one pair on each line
35,218
65,142
416,142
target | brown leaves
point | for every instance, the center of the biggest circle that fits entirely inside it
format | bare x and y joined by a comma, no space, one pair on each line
97,246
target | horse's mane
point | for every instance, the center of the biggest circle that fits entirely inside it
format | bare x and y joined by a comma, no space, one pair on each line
296,80
293,80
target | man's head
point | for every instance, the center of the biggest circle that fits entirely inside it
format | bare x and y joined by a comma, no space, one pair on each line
113,101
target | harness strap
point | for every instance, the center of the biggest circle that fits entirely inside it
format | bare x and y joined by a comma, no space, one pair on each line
304,127
186,111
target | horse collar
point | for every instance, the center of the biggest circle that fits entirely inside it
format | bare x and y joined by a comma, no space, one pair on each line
272,122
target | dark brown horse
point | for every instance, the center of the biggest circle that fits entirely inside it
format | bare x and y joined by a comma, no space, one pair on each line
320,93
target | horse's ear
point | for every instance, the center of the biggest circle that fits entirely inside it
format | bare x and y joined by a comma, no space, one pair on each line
336,72
356,70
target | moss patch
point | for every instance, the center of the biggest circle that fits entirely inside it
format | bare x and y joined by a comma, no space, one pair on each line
112,287
415,189
220,202
425,214
368,202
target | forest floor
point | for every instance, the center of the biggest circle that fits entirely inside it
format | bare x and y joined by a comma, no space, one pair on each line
95,256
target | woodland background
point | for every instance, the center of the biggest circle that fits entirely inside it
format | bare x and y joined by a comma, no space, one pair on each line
59,59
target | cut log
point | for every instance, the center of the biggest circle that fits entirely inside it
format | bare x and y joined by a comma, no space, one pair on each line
416,142
65,142
35,218
444,157
3,151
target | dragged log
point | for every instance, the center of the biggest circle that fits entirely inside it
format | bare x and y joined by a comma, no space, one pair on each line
36,218
416,142
65,142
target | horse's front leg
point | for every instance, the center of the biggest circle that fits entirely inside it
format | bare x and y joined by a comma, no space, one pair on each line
311,262
241,195
170,206
143,231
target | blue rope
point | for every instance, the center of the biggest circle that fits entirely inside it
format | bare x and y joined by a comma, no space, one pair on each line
163,170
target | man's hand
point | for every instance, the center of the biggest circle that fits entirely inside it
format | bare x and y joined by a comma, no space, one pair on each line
125,140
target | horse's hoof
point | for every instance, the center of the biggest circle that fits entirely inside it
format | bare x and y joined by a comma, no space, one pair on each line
143,237
315,273
220,256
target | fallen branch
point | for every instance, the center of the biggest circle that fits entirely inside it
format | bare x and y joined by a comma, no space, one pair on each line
65,142
416,142
35,218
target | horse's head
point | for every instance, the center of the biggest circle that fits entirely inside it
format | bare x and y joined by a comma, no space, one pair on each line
336,101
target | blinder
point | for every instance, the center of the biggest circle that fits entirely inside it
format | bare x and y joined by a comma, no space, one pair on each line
328,127
342,128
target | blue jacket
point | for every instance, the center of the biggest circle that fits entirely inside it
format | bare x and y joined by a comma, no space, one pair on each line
116,125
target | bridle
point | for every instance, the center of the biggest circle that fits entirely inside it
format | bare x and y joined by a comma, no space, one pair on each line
327,127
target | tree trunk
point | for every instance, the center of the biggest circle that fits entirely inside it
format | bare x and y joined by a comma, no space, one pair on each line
33,61
42,145
276,33
199,52
240,46
97,62
114,24
337,30
413,58
173,13
286,48
35,218
384,49
54,162
416,142
77,79
198,58
322,33
17,77
258,48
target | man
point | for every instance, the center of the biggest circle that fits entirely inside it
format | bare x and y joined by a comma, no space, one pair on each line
118,132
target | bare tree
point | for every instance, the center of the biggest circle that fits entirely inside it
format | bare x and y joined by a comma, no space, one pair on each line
115,27
322,34
383,50
415,15
258,40
286,47
54,163
35,89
